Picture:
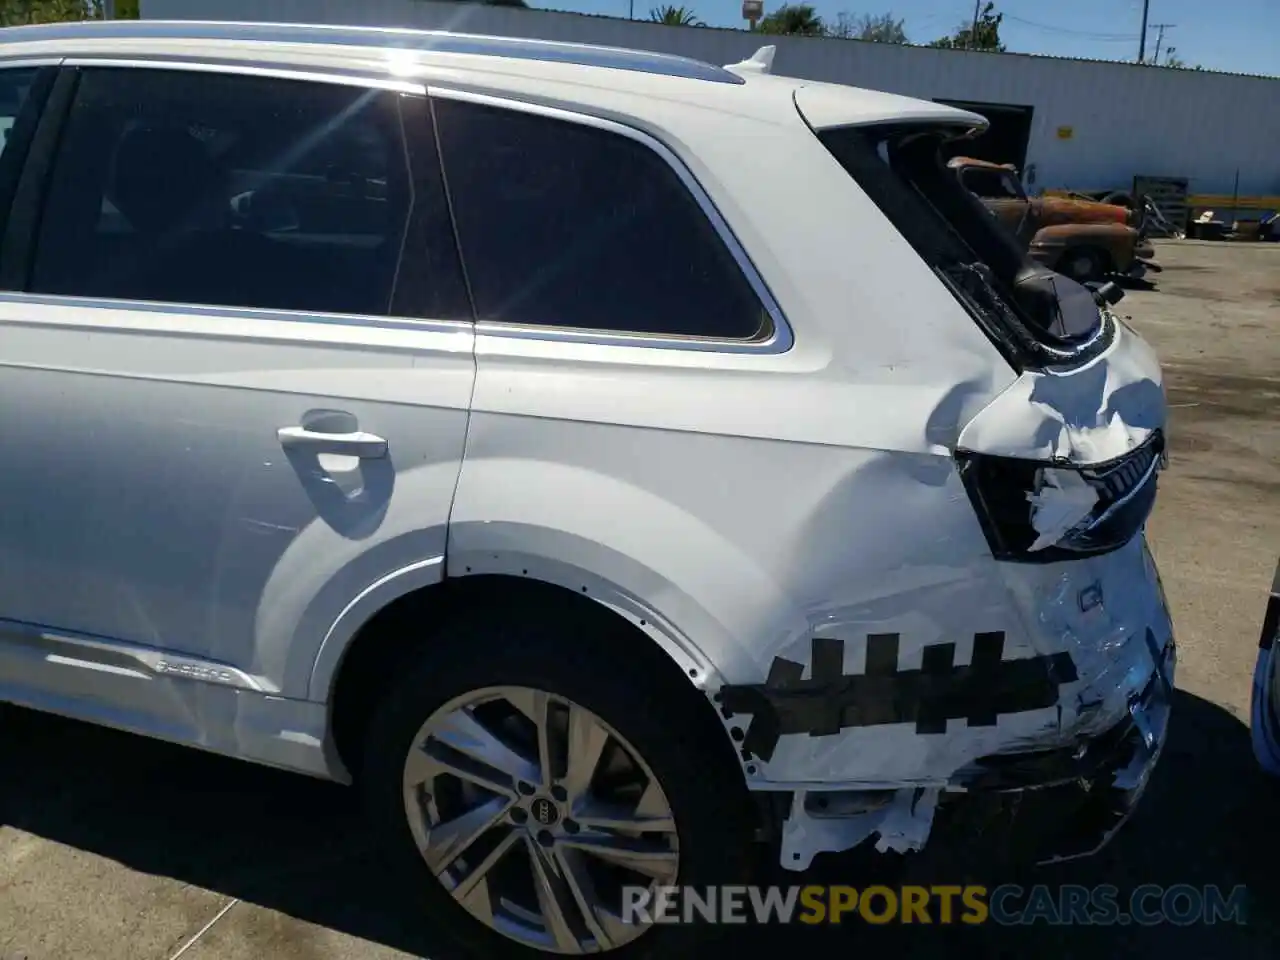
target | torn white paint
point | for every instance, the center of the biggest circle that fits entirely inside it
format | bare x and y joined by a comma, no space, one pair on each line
1061,501
1085,415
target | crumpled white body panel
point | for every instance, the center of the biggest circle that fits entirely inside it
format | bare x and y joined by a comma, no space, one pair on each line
1084,415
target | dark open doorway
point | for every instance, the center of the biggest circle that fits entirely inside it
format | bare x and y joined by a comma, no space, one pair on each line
1005,140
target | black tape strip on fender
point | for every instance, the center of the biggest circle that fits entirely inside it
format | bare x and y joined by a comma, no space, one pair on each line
831,701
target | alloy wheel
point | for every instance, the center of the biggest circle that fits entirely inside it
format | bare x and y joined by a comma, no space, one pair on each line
536,815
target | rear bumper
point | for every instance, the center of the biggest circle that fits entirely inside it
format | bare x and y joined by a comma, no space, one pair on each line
1062,804
1055,782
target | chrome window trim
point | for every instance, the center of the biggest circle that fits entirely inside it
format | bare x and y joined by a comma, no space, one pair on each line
239,313
780,338
338,76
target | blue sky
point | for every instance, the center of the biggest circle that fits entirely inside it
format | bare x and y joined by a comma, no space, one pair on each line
1235,35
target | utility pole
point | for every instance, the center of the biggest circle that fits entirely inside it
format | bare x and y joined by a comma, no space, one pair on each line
1142,38
973,33
1160,28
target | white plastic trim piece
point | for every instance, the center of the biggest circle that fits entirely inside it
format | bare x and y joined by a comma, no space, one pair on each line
759,62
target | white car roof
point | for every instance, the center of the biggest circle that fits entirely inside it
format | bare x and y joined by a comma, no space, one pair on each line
429,56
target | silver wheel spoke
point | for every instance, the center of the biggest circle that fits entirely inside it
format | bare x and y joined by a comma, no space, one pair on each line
587,741
609,817
535,705
469,884
425,764
447,841
651,814
652,859
461,732
554,897
584,894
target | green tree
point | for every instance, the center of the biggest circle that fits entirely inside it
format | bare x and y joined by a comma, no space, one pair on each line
795,19
18,12
985,37
674,16
881,29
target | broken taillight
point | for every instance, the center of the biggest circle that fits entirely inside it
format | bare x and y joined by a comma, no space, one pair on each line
1034,511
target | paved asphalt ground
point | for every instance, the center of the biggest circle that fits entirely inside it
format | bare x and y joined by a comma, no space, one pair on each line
115,847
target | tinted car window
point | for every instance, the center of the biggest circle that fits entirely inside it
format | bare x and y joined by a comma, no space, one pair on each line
188,187
567,225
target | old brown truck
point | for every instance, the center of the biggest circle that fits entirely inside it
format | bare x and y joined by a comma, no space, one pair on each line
1085,240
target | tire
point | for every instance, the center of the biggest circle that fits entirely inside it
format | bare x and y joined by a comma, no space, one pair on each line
646,707
1084,264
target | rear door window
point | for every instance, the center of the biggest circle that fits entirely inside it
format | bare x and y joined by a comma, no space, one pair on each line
563,224
210,188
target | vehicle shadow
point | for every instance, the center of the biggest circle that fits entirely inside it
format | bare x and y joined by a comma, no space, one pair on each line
297,846
1134,283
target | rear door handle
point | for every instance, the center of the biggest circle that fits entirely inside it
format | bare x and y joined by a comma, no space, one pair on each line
366,446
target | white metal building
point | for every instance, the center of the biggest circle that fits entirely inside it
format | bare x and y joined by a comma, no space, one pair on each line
1073,124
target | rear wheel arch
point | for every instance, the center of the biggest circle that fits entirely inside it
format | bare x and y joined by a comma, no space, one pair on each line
398,632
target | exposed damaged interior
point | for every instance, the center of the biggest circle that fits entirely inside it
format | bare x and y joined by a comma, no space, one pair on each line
1033,314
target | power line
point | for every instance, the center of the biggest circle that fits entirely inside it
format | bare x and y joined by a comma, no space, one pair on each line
1126,37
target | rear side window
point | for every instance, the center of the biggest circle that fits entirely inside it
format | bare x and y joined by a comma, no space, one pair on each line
206,188
566,225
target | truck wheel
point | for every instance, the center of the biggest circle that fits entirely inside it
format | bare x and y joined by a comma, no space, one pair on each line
1084,264
530,776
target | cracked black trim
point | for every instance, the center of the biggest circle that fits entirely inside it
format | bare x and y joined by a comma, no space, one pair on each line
830,701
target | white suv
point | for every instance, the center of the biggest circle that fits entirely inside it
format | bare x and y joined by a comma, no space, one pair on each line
603,458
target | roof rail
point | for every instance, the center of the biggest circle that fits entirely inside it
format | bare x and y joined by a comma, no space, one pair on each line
426,41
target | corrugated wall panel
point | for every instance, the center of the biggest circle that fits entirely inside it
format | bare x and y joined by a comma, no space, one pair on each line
1126,120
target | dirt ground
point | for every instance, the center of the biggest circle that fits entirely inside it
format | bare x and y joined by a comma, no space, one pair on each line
116,847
